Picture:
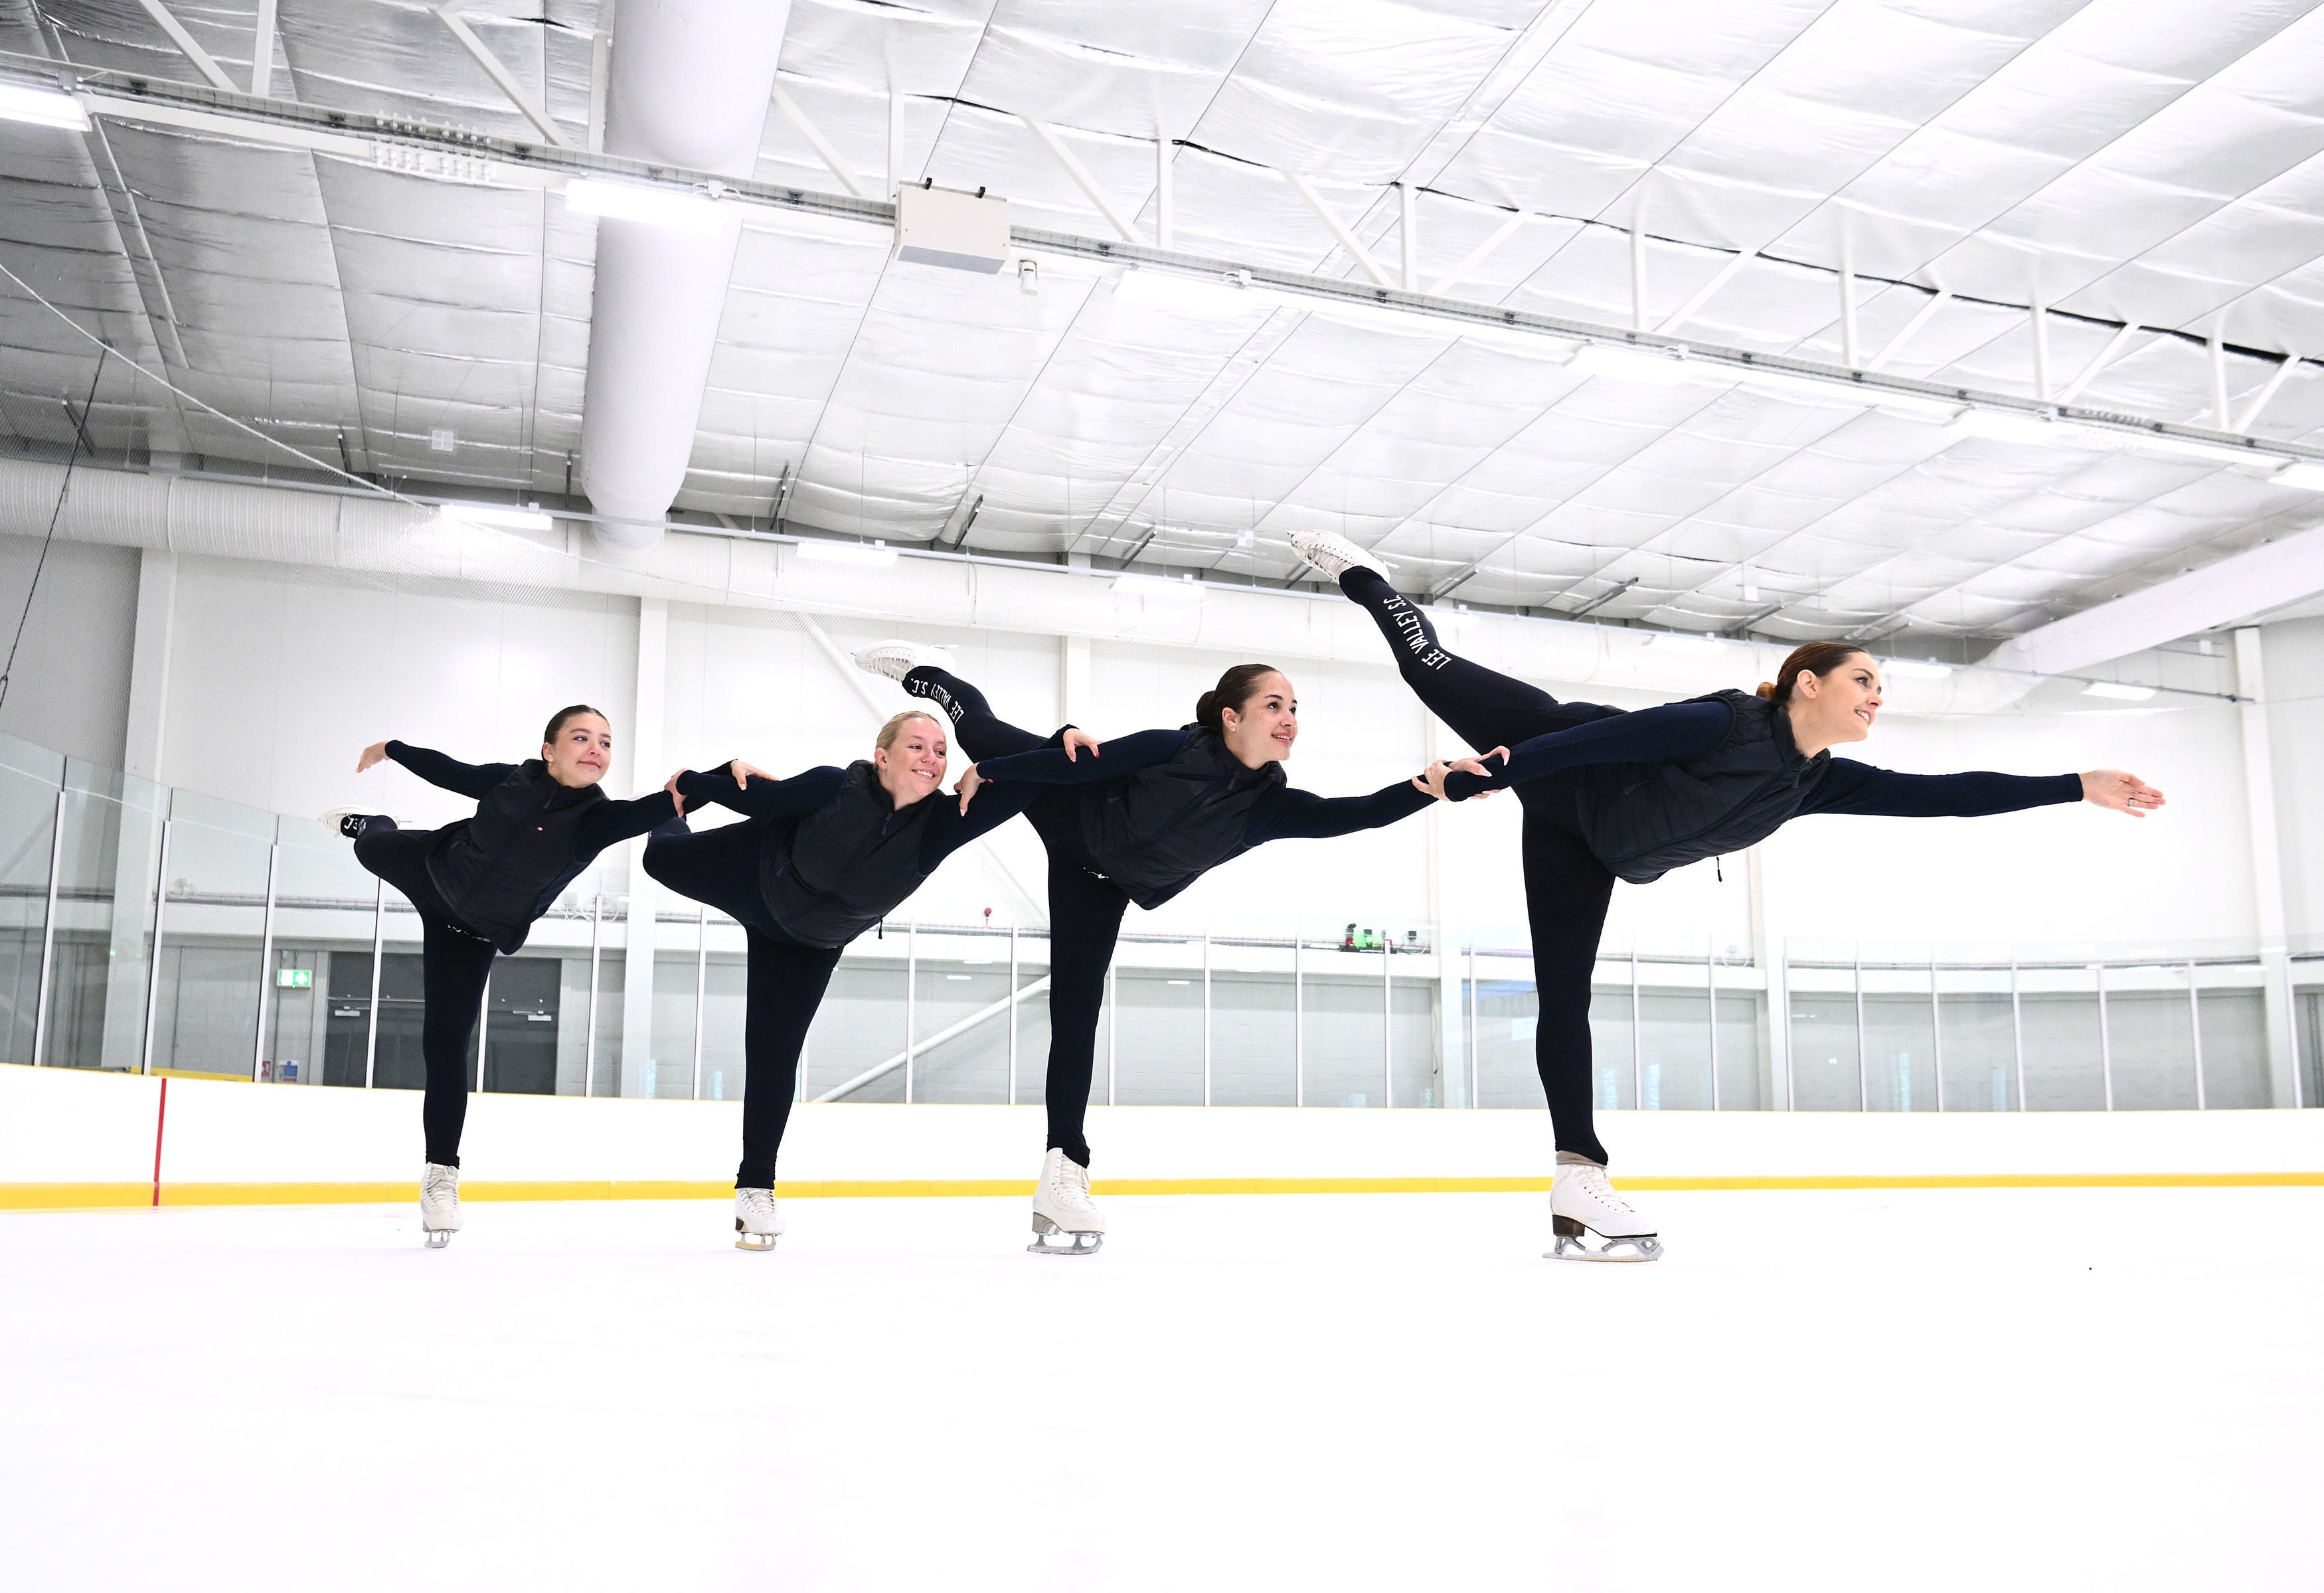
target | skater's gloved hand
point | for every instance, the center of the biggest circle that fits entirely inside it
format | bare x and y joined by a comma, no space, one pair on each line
2125,793
1076,741
377,753
969,781
1456,779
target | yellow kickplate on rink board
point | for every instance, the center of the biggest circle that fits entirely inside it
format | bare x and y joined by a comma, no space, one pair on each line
53,1197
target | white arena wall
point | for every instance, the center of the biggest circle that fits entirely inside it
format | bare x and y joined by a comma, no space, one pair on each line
71,1138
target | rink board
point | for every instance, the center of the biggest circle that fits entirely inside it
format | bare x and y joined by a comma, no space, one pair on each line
73,1138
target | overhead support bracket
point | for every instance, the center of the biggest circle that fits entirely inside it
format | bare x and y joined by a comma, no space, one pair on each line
262,52
448,14
1910,329
1114,218
2266,394
818,142
1331,218
204,62
1481,252
2106,356
1701,296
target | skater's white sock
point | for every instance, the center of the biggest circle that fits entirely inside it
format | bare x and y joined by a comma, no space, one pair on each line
1570,1158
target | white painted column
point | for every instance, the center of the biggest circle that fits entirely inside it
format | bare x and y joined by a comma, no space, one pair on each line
643,737
1452,1063
1074,702
2267,869
128,969
1768,954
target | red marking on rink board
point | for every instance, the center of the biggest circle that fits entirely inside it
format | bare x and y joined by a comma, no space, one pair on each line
161,1115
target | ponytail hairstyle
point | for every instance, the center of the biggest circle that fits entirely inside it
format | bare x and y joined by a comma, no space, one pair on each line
564,716
895,727
1818,658
1234,690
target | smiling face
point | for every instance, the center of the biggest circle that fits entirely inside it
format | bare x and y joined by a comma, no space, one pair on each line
580,753
1828,709
912,765
1263,728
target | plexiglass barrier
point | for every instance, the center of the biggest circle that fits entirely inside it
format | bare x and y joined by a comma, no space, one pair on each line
150,929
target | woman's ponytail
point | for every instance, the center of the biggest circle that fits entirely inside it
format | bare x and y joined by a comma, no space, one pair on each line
1767,689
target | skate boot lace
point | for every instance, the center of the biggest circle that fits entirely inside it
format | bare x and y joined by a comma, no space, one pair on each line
443,1183
1594,1180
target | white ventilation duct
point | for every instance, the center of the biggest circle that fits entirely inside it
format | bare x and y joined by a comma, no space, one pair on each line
377,536
690,87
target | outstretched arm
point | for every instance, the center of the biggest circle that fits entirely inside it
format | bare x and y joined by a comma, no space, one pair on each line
1860,788
469,780
609,823
1056,766
1671,733
1293,814
760,797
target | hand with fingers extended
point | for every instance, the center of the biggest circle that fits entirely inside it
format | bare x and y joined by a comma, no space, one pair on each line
373,754
744,773
676,799
970,780
1078,741
1433,778
2123,793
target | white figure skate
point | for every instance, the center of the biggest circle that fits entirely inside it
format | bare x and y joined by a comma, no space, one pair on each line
346,821
757,1223
1062,1207
1582,1201
440,1205
895,659
1333,556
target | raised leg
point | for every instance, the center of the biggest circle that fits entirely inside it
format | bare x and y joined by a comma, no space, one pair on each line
983,733
1485,708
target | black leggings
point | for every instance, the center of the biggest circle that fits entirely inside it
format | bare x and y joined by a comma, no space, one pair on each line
454,964
1567,888
1084,911
786,978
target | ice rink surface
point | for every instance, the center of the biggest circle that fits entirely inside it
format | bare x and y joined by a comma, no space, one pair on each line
1942,1389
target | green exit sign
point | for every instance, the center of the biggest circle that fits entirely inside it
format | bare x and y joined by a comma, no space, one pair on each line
294,978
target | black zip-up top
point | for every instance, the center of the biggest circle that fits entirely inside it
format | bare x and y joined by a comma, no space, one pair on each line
1645,819
531,838
846,865
1160,830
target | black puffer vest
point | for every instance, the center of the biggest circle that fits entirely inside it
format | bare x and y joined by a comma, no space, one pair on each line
501,870
845,867
1645,819
1159,830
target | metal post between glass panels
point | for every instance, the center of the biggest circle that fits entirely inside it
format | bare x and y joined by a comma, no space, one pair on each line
589,1055
2105,1041
378,958
2195,1031
153,967
2018,1030
1298,1017
1113,1017
49,935
1711,980
1012,1014
1791,1051
265,959
701,992
1387,1020
1472,1018
911,995
1206,1017
1863,1088
1637,1039
1937,1030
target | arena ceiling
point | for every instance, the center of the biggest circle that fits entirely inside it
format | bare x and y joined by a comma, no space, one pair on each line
2114,205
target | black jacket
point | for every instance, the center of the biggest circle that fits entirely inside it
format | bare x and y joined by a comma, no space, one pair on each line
845,866
1157,832
1645,819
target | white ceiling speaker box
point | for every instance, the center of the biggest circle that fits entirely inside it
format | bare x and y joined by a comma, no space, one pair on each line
938,226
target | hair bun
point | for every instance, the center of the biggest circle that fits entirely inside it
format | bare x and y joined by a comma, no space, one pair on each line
1767,690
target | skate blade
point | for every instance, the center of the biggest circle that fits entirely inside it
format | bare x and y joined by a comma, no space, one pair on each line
437,1238
1081,1243
1644,1248
755,1241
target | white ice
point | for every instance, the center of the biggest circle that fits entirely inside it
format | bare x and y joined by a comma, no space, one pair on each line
1991,1389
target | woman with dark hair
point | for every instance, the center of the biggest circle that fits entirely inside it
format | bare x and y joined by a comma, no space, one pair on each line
478,885
1171,805
821,858
1611,794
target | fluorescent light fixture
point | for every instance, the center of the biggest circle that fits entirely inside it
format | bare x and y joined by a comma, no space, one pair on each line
2306,474
877,555
1231,294
2118,691
680,210
499,516
2190,447
2008,426
1640,364
1916,669
1682,641
44,107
